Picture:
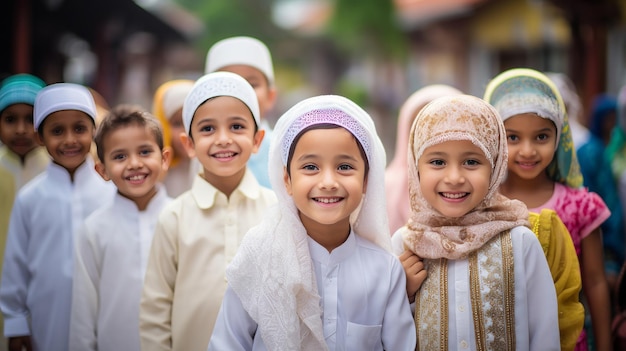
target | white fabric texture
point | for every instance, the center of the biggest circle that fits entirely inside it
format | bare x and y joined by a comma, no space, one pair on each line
386,322
196,237
110,263
63,96
35,162
219,84
36,288
272,274
240,51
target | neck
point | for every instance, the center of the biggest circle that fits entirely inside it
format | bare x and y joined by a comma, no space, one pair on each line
330,236
533,192
226,184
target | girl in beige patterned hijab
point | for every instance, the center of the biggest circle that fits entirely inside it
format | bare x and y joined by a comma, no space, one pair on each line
488,286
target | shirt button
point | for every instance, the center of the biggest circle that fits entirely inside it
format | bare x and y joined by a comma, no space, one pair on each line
464,344
462,308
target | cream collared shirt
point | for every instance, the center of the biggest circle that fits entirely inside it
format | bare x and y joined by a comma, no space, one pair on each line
35,163
196,237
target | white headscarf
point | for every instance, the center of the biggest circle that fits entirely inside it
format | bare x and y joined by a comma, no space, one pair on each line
272,273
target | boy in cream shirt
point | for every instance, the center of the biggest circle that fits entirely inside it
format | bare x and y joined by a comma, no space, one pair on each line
198,234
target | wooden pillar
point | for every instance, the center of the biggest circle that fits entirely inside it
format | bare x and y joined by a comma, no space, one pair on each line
22,40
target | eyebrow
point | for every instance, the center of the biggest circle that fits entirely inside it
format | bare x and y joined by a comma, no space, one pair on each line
542,130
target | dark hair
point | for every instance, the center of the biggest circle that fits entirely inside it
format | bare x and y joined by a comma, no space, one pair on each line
123,116
292,148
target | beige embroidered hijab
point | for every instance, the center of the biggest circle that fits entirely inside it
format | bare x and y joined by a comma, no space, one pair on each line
272,273
430,234
396,174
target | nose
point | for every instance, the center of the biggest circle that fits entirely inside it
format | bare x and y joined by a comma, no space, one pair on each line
22,126
527,149
223,138
454,175
328,180
135,162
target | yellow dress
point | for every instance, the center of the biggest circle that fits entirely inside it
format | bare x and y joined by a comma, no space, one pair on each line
561,256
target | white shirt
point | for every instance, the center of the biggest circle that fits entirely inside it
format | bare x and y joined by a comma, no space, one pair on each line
110,263
536,316
36,290
197,235
363,297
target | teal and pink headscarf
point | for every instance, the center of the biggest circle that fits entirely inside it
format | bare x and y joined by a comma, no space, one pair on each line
523,90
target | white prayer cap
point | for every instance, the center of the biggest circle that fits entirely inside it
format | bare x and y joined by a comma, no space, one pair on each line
174,97
60,97
240,51
219,84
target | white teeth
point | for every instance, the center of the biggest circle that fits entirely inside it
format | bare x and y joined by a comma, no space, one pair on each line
328,201
225,154
454,196
136,177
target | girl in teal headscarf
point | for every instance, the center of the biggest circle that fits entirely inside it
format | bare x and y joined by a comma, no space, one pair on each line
543,172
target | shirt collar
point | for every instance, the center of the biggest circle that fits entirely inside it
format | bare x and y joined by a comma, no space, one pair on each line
204,193
339,254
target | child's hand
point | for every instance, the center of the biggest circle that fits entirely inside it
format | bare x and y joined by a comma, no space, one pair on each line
415,273
20,343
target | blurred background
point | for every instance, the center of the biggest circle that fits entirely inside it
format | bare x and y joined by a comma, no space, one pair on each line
375,52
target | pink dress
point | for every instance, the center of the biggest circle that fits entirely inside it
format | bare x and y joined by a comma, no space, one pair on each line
581,211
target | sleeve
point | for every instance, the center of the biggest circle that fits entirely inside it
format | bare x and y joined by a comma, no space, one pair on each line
155,310
16,274
234,329
565,271
541,303
85,294
398,332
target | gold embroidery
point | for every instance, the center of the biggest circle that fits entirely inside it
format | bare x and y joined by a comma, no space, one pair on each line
492,295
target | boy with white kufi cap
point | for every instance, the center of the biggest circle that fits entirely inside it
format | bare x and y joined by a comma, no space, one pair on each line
251,59
185,283
36,288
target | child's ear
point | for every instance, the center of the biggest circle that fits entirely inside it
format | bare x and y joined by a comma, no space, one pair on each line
166,158
287,181
258,139
101,169
188,144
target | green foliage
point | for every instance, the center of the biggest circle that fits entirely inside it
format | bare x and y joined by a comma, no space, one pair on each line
227,18
367,26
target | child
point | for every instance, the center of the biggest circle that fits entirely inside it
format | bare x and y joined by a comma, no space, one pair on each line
317,273
489,286
198,234
21,153
36,289
168,108
543,173
112,247
396,177
251,59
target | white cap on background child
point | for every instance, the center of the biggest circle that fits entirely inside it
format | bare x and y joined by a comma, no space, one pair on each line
219,84
174,97
60,97
240,51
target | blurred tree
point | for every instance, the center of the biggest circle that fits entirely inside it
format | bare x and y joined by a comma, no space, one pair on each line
226,18
367,27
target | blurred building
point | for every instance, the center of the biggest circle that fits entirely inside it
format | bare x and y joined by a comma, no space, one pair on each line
117,47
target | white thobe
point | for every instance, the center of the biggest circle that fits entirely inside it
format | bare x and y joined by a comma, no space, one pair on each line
110,263
36,289
363,297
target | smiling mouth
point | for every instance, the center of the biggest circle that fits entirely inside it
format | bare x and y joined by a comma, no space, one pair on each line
224,155
326,200
454,196
136,178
